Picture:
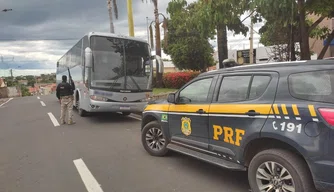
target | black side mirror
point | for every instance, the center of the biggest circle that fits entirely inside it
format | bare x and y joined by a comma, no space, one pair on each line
171,98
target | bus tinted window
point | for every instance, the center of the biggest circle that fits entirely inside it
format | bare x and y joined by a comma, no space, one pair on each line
120,63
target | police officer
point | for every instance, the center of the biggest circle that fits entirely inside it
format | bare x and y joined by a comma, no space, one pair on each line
65,95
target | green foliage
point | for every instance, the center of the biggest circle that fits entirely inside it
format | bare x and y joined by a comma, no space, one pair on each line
284,15
227,12
11,82
188,46
25,91
178,79
48,78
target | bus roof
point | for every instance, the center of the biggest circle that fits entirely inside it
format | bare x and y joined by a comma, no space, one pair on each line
115,35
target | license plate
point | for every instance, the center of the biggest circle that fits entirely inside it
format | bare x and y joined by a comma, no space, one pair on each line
124,108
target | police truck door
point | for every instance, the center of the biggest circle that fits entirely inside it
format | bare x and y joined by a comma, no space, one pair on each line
189,118
242,105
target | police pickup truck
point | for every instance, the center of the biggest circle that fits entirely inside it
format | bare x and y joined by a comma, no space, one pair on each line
275,121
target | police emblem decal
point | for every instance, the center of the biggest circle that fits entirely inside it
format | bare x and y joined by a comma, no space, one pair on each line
186,126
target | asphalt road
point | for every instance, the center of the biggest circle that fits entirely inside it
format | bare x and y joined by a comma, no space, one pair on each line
99,153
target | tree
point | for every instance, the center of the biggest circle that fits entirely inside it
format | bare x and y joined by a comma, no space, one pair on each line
188,47
25,91
31,82
110,11
11,82
296,12
228,19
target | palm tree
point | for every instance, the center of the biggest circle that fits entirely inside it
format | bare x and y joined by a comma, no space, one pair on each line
110,10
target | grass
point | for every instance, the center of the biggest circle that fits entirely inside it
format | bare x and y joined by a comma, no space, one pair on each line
162,90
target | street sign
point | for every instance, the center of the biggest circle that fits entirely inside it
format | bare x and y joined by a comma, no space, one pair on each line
331,44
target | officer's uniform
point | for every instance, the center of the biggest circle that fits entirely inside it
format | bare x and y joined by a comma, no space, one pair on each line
65,94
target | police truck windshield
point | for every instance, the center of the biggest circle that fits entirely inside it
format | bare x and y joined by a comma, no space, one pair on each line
120,64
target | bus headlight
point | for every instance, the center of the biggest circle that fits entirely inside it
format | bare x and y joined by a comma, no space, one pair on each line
98,98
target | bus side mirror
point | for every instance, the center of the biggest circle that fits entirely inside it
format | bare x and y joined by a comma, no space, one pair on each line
88,58
160,64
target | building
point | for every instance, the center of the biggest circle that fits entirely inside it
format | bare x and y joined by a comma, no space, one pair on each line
33,90
23,82
316,45
2,83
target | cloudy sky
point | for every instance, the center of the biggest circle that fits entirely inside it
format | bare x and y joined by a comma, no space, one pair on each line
38,32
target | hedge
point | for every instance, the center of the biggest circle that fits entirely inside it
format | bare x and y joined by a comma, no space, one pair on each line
177,79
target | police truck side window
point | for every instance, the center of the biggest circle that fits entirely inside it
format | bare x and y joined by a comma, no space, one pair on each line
234,88
259,86
196,92
313,86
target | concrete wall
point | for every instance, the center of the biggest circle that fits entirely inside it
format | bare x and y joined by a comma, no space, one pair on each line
13,92
3,92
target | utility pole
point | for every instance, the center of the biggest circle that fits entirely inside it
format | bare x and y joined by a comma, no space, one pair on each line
251,50
148,31
130,19
11,72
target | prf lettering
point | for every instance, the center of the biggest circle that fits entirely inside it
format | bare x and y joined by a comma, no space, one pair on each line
228,134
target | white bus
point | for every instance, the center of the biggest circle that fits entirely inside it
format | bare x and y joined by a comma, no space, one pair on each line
111,73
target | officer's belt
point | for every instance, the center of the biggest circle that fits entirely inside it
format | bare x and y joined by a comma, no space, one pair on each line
66,97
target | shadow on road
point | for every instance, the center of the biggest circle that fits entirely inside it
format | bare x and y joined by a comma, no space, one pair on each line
109,118
210,171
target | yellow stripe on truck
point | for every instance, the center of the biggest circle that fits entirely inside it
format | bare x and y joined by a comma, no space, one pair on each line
312,110
295,110
188,108
276,109
285,111
157,107
263,109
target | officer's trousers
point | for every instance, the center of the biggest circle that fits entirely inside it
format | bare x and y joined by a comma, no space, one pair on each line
66,107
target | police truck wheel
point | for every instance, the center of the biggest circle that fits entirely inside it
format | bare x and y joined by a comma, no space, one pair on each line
154,140
279,170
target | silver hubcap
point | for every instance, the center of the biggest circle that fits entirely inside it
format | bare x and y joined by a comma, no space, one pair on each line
273,177
155,139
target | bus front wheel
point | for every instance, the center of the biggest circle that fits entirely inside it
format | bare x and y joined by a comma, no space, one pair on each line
81,111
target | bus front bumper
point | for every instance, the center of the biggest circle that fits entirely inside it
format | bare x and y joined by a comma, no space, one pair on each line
101,106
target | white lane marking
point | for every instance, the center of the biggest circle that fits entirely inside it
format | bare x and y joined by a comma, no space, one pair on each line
133,117
6,102
43,104
38,98
53,119
87,177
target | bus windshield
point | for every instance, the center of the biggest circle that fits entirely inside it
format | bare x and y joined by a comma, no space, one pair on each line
120,64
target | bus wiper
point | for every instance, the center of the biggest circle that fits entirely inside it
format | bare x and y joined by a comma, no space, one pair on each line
114,83
135,83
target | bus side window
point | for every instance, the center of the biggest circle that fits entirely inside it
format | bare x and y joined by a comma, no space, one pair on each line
85,70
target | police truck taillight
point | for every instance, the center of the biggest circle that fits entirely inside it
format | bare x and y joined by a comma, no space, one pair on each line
328,115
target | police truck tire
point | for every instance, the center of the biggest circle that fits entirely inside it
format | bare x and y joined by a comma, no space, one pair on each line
293,164
152,133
